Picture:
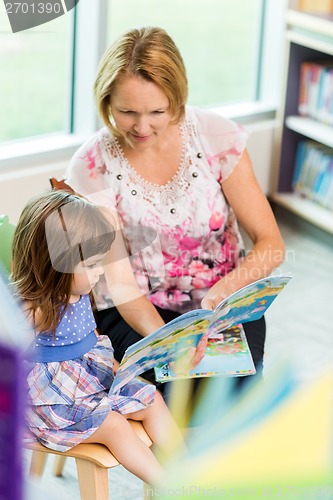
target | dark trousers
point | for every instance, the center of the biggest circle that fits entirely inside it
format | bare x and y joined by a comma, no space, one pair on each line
111,323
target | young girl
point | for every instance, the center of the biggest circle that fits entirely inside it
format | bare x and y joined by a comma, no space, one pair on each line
60,243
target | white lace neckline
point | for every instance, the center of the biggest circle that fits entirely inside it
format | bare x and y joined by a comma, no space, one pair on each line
168,194
140,180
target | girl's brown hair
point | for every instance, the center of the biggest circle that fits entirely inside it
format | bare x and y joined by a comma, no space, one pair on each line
56,231
149,53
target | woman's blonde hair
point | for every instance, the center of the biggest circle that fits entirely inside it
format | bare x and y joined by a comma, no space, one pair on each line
56,231
148,52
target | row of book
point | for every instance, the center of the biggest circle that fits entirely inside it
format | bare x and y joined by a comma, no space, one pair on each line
316,90
313,172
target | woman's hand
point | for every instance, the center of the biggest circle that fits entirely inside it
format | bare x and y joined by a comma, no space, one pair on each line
216,294
115,366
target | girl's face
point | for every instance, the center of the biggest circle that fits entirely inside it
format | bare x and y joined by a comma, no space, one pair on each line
86,275
141,112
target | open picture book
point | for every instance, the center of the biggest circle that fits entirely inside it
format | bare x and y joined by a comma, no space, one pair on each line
227,352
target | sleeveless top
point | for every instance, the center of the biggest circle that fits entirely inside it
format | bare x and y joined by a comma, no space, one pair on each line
182,236
74,335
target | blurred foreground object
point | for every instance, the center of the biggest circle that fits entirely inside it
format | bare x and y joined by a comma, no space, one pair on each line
275,441
13,340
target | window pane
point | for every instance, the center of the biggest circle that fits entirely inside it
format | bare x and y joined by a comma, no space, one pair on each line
34,78
219,41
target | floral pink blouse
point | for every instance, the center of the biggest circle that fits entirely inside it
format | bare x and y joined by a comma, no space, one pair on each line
182,236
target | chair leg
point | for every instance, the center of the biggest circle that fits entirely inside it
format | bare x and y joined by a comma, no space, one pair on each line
93,480
58,465
37,465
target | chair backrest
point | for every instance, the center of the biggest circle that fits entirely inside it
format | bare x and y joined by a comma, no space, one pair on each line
6,240
60,185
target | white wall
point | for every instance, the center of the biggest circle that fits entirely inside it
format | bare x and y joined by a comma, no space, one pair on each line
261,147
17,185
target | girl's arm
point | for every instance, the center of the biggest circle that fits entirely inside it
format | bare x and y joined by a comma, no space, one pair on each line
254,214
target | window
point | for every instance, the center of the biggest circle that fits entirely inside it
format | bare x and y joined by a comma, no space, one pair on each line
35,78
228,47
219,46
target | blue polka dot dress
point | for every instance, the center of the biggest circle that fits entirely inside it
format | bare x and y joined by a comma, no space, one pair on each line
69,384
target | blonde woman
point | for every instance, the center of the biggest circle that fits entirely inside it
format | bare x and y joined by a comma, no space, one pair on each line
183,172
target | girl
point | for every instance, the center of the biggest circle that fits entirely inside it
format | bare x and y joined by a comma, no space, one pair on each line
60,243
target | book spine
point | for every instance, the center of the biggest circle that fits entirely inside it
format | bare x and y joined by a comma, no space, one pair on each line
300,154
315,98
313,173
304,89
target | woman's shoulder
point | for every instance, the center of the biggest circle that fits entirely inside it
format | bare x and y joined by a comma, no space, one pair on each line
208,120
89,160
214,131
221,139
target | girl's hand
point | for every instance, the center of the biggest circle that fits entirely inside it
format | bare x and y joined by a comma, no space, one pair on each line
191,358
199,351
115,366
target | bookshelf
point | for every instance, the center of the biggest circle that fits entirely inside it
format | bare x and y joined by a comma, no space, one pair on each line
309,37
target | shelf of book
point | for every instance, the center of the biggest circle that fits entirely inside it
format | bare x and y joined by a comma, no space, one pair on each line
307,209
309,39
312,129
320,44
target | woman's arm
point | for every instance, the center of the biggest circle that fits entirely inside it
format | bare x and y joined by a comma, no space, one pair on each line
254,214
131,302
141,315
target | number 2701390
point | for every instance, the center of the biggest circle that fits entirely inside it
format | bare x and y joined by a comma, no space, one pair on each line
33,8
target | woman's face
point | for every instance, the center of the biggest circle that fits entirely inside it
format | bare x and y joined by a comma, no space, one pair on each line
141,112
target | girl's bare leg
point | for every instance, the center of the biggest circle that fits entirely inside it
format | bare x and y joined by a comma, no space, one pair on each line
160,425
117,434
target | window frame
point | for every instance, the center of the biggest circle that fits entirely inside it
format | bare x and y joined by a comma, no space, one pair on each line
91,18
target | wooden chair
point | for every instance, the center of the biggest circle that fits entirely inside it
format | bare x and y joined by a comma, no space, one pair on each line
92,463
56,184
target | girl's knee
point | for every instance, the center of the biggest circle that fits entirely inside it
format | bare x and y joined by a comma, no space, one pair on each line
159,403
115,421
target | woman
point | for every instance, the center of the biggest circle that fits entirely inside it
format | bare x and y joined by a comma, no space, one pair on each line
183,172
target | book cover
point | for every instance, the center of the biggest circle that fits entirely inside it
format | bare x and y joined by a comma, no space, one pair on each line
173,340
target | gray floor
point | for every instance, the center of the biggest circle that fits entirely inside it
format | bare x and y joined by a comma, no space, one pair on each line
299,322
298,331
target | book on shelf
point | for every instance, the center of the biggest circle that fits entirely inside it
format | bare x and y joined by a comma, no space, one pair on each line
313,172
315,98
172,342
315,6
